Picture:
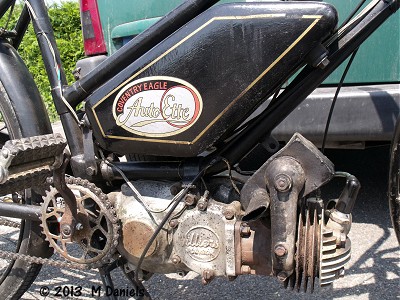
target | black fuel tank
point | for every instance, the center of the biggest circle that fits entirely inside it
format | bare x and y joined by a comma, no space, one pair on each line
206,78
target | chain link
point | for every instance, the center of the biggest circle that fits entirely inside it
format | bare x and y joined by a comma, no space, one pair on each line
9,223
42,261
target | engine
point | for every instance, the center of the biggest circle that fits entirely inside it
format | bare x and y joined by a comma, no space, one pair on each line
271,228
204,235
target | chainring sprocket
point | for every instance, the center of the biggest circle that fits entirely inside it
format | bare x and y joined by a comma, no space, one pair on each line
96,234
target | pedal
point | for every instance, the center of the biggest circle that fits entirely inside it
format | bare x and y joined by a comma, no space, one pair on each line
27,162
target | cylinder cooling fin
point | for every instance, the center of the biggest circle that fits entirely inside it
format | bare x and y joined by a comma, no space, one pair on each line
319,252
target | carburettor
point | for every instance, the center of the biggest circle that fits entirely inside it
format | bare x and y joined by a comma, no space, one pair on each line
203,235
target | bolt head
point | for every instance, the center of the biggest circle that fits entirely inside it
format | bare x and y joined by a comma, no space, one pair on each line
283,183
173,223
4,152
245,230
245,269
66,230
79,226
208,274
341,273
282,276
228,213
280,250
190,199
90,171
176,259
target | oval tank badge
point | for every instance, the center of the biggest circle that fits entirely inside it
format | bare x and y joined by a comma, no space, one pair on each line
157,106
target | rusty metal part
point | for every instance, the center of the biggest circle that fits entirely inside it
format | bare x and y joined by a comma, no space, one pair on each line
203,201
308,245
245,269
190,199
282,276
135,235
228,213
293,172
207,276
42,261
280,250
173,223
253,250
98,235
69,215
317,167
245,230
283,183
284,208
318,253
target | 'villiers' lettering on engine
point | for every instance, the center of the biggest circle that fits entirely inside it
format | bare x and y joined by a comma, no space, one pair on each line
157,106
202,244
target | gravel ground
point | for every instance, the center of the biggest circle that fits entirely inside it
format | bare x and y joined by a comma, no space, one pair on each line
373,272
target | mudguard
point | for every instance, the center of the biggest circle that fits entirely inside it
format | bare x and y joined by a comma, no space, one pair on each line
32,116
22,92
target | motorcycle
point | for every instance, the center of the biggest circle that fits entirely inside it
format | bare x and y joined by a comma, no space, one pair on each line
148,177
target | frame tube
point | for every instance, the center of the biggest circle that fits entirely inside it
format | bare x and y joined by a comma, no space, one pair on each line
21,211
303,85
136,48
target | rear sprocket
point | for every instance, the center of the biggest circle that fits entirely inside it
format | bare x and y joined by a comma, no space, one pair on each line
95,237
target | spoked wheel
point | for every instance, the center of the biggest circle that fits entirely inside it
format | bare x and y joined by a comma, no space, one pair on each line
394,181
16,235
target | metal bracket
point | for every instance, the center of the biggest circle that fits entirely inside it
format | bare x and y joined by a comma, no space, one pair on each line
69,219
293,172
88,149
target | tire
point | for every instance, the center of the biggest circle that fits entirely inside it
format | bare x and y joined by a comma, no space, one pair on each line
17,276
394,181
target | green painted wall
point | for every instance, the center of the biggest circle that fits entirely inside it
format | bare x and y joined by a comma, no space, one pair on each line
378,60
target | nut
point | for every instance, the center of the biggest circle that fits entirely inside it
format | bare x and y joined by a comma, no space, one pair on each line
323,63
245,269
190,199
79,226
173,223
176,260
228,213
208,275
280,250
283,183
202,205
282,276
90,171
245,230
66,230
